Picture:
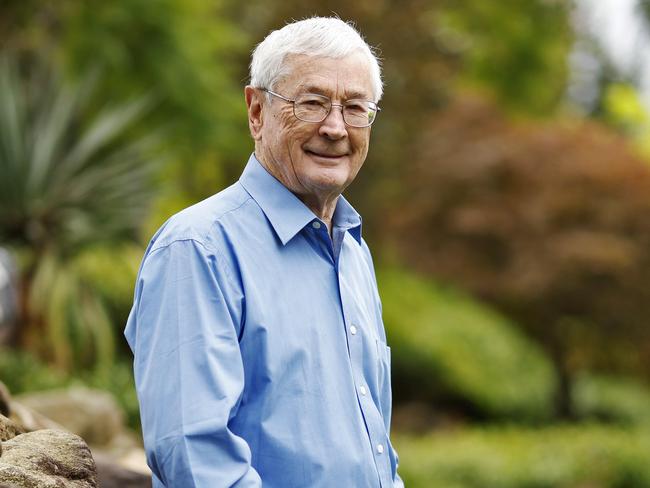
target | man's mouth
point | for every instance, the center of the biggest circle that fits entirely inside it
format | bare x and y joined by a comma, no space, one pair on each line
325,154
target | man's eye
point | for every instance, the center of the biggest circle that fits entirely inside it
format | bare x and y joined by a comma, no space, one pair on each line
356,107
312,102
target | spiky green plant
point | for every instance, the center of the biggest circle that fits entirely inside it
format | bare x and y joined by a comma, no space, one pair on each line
72,178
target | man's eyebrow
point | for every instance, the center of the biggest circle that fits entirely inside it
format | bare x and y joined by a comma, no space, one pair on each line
312,89
349,95
357,94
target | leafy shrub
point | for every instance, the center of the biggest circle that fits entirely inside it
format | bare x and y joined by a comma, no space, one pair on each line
613,399
22,372
446,346
74,177
556,457
112,272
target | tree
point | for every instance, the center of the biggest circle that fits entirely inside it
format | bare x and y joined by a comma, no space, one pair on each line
180,51
515,50
71,180
546,221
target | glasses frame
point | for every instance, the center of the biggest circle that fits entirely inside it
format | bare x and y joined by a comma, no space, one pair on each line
332,104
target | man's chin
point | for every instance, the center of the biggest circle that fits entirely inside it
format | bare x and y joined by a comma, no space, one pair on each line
329,181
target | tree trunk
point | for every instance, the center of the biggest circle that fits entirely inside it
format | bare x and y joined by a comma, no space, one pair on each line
29,330
563,398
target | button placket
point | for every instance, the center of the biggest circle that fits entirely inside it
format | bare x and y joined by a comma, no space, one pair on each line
357,338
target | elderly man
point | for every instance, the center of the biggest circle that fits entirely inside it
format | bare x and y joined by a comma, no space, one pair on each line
260,353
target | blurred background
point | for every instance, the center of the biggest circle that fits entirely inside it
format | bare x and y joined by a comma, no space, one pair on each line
506,197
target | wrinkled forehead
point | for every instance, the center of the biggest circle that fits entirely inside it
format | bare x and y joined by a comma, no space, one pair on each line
349,76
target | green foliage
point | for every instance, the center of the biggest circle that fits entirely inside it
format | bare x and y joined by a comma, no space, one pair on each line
112,272
517,49
182,51
69,176
72,181
623,107
446,345
117,380
66,321
538,221
554,457
23,373
186,53
613,399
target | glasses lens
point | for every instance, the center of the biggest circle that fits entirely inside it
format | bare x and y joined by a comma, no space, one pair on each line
311,107
359,113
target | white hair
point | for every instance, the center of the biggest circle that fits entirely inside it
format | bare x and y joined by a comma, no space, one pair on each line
317,36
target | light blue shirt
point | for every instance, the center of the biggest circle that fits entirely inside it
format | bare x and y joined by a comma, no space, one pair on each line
260,352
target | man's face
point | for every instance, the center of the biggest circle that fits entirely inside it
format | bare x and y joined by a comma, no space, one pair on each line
316,161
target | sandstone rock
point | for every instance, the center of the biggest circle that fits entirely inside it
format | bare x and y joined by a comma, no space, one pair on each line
30,420
47,459
91,414
8,429
5,400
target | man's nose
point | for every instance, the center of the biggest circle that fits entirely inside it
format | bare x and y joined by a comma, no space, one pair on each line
333,127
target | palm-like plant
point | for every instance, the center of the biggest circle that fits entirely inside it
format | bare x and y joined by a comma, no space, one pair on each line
70,179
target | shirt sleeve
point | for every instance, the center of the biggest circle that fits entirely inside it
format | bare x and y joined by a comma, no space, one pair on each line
183,330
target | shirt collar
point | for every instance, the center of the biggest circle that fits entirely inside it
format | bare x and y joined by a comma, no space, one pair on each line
286,213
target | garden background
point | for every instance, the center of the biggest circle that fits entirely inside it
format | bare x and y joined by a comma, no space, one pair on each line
506,197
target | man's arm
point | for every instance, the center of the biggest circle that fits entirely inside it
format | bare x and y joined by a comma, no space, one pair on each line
183,330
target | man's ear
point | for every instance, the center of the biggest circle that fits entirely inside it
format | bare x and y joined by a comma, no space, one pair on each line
254,104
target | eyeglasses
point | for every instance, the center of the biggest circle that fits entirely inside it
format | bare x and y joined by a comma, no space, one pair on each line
310,107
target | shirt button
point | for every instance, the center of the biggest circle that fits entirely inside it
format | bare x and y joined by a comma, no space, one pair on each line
315,225
353,330
363,391
380,449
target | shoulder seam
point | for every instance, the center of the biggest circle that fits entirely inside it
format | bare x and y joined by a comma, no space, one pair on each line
217,254
217,220
202,239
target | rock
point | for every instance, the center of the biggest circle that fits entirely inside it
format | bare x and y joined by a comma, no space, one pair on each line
136,460
91,414
30,420
26,418
88,413
112,475
9,429
5,400
47,459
